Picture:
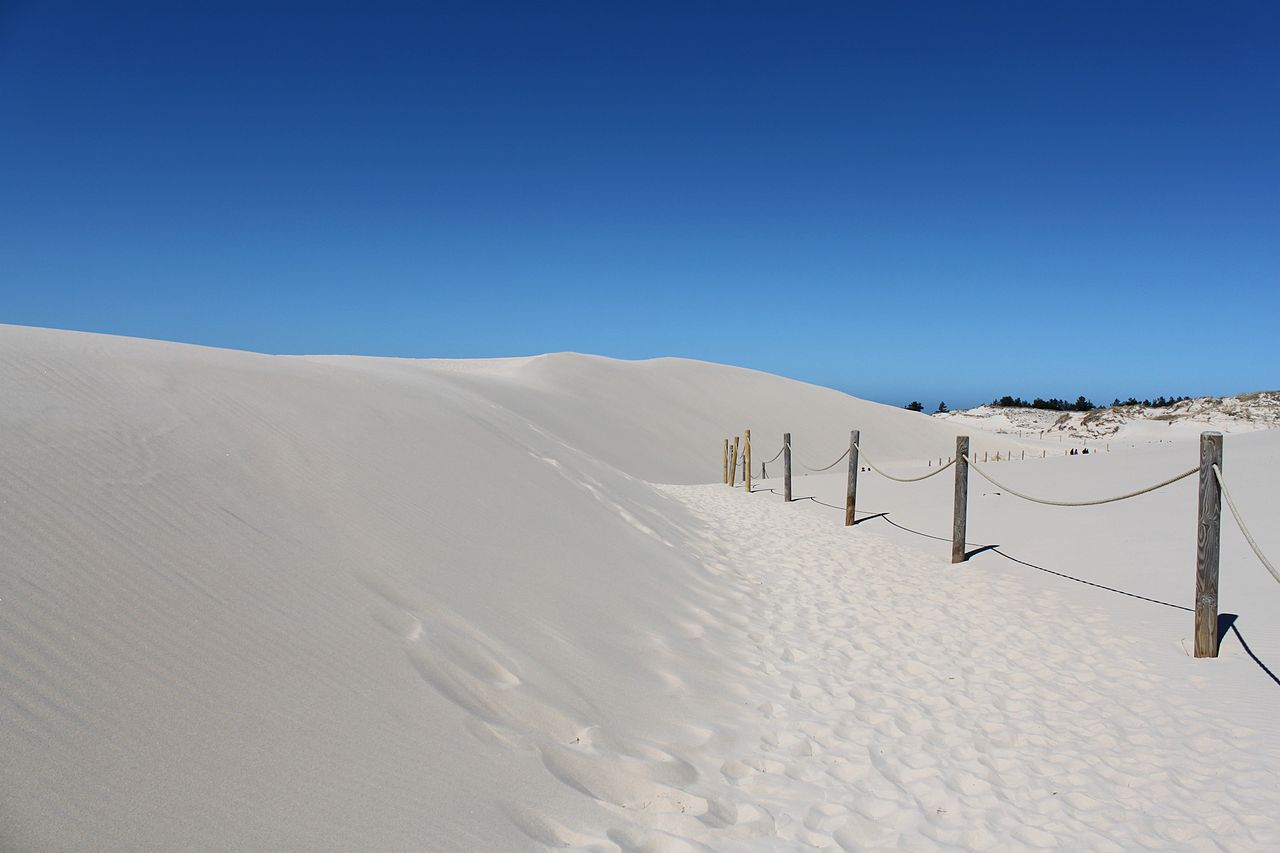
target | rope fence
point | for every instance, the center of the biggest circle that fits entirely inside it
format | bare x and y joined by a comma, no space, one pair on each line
1248,537
1048,502
839,459
932,473
1213,488
775,456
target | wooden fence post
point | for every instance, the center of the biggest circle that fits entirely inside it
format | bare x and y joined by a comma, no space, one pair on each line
851,492
786,467
1208,532
726,460
746,462
733,463
960,519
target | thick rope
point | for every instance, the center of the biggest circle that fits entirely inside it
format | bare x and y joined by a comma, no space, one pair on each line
862,457
775,456
820,470
1248,537
1016,493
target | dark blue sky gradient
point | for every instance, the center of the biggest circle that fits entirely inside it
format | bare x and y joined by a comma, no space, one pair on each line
899,200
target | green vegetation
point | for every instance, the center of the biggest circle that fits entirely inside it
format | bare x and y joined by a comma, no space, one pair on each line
1081,404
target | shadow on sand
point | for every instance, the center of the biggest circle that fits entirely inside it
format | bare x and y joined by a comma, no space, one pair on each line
1226,621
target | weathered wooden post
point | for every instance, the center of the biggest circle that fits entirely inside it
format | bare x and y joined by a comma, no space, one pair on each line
1208,532
733,463
746,462
726,460
960,518
851,492
786,467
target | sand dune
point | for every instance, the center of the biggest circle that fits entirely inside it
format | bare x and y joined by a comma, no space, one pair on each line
662,420
330,603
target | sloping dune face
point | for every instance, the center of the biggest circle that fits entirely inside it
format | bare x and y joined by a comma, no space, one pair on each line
663,420
254,602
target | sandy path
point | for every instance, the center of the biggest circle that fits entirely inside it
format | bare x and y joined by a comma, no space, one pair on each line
899,702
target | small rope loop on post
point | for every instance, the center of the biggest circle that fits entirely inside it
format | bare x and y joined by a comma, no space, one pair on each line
873,467
1048,502
1248,537
826,468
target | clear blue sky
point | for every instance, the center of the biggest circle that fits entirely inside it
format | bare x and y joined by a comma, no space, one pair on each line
901,200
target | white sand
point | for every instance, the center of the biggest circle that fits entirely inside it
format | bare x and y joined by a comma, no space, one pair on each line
254,602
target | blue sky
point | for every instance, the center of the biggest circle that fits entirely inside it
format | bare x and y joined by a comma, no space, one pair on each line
904,201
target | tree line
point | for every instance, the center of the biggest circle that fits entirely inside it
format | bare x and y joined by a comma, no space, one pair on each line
1157,403
1053,404
1082,404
